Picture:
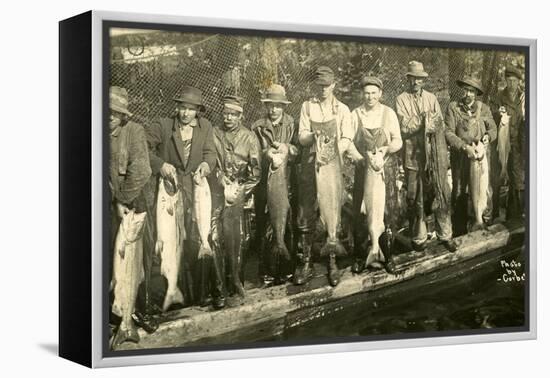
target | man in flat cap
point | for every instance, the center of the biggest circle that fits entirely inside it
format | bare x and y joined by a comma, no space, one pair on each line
181,147
467,121
509,168
322,112
376,130
426,160
278,140
237,173
129,172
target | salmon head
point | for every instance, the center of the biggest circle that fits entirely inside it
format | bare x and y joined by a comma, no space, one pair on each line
376,159
132,224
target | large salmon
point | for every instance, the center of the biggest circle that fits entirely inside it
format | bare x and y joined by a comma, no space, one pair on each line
330,187
170,235
277,201
374,202
479,184
202,213
127,274
503,146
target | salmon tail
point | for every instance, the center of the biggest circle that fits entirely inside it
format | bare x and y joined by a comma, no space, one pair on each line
172,297
375,257
333,247
125,333
205,251
280,251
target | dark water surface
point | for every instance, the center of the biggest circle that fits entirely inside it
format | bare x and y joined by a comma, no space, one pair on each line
485,296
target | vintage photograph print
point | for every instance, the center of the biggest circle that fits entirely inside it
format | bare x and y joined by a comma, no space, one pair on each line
282,188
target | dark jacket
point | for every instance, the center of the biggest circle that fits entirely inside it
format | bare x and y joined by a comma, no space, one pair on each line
464,128
166,145
129,163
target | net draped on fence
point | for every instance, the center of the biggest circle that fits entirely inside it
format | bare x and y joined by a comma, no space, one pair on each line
154,66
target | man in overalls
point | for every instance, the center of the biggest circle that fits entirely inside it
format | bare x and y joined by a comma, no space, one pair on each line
237,173
129,172
322,111
508,112
182,146
426,160
275,131
375,126
467,121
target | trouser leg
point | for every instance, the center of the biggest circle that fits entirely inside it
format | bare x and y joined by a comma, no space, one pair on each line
232,221
415,200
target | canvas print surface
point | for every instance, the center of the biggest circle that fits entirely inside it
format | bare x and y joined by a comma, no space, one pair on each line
282,189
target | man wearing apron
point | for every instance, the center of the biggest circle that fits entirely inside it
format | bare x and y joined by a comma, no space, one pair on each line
376,127
323,111
181,146
467,121
426,160
237,173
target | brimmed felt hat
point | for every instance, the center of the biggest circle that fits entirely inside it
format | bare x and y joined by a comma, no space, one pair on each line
190,95
513,71
416,69
233,102
275,93
323,76
471,82
118,100
371,80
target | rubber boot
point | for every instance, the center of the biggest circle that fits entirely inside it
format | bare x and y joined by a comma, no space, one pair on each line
217,284
387,241
304,268
205,271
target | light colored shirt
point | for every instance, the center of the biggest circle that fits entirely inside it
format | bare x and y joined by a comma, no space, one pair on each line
314,110
375,118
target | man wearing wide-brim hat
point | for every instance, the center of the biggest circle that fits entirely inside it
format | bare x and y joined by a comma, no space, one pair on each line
235,178
509,168
182,146
278,138
128,174
467,121
425,160
321,114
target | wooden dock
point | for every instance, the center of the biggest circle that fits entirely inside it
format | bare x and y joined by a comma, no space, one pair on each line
269,311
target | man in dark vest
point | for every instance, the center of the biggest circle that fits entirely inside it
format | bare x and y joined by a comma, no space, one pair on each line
467,121
183,146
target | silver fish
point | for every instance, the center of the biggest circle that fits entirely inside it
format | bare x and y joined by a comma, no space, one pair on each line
127,274
170,235
202,213
479,184
374,201
330,188
503,146
277,201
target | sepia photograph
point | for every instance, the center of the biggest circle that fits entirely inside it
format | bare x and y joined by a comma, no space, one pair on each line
279,189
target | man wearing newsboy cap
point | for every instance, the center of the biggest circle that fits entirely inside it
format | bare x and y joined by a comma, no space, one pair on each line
467,121
237,173
182,146
426,160
278,138
322,111
510,167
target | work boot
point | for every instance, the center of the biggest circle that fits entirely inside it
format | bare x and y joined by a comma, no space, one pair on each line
333,271
217,285
304,268
205,269
387,241
450,245
359,265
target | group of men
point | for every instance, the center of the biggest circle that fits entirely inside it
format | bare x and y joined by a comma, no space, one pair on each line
238,162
